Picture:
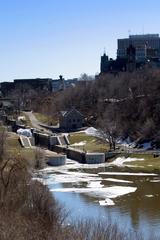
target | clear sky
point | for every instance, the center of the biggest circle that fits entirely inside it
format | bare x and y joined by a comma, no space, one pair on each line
46,38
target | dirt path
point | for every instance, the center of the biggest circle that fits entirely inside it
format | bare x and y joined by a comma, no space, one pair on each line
35,123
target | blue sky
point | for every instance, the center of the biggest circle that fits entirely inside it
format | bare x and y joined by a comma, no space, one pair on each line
46,38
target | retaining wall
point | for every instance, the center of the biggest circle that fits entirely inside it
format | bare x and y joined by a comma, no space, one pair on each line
71,153
95,158
57,160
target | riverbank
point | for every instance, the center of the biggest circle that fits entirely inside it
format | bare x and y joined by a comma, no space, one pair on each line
35,212
98,191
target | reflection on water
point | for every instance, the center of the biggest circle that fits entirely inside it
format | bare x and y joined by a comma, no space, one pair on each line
81,187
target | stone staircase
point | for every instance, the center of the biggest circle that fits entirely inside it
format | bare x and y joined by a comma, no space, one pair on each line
25,141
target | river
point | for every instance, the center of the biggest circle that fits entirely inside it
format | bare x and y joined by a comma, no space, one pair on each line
98,192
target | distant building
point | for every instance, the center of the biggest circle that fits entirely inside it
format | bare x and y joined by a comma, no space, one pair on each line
35,83
104,63
71,120
61,84
45,84
7,105
6,88
147,46
71,82
112,66
131,58
133,53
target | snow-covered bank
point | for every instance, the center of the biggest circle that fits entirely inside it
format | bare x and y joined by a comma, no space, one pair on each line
121,160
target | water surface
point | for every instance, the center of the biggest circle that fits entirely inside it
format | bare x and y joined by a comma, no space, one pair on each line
93,191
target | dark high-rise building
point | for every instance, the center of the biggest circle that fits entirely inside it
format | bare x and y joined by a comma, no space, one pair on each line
131,58
104,63
144,44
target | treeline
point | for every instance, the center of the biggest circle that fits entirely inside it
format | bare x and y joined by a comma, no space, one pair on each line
126,105
122,105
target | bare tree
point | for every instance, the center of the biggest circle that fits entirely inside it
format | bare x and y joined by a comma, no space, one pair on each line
3,136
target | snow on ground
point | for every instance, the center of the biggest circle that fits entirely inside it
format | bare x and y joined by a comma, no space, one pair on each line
79,144
92,131
25,132
121,160
125,142
146,145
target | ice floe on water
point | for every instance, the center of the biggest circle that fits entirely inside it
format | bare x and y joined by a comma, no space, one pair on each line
106,202
106,193
95,184
149,195
127,174
72,177
155,180
78,180
117,180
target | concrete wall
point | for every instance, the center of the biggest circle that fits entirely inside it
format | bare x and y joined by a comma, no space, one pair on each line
42,140
76,155
53,140
109,155
71,153
95,158
57,160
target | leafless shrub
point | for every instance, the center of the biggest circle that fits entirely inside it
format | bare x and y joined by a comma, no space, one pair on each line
39,158
3,136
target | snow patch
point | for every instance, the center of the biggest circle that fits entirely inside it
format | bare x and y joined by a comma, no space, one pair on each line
146,145
79,144
25,132
92,131
121,160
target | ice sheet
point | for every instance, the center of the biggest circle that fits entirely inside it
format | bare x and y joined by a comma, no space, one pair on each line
117,180
106,202
94,184
108,192
149,195
127,174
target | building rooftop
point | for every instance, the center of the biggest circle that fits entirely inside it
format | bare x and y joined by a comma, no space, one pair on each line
144,36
